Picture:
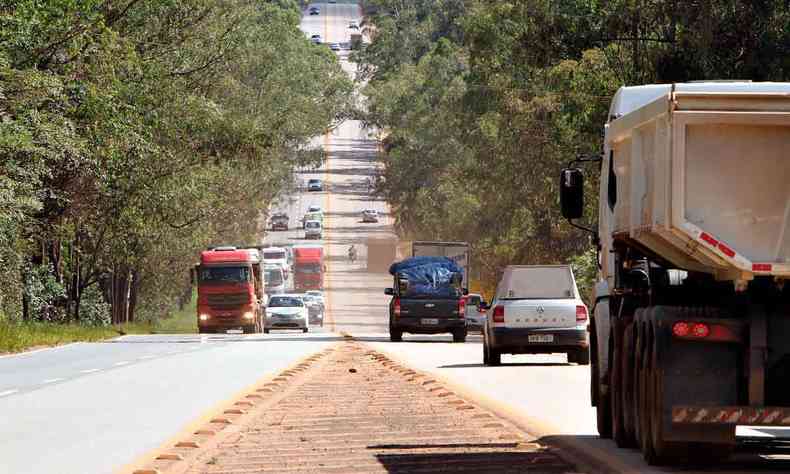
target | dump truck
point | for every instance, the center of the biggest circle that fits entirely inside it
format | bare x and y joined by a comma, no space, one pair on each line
690,333
231,290
308,267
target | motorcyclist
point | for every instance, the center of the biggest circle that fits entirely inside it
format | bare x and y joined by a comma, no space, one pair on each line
352,253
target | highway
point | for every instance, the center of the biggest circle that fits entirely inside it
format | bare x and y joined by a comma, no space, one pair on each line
94,408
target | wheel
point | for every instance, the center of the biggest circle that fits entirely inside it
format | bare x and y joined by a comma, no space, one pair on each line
205,330
618,388
249,329
396,335
304,330
459,335
485,354
579,356
494,357
265,330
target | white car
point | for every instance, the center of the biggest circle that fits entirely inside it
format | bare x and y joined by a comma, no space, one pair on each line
286,312
312,230
314,209
475,318
316,293
536,310
277,256
370,215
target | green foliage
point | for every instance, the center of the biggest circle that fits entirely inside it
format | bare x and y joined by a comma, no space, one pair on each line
135,133
482,102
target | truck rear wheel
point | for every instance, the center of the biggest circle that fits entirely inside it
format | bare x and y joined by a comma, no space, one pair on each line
579,356
396,335
600,400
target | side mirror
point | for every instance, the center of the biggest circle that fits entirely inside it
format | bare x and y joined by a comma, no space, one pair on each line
193,274
389,291
572,193
403,285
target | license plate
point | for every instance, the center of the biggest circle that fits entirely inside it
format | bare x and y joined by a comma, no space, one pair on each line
234,331
432,321
541,338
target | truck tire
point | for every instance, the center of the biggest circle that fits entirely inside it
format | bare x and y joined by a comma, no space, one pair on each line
618,386
249,329
396,335
579,356
494,356
459,335
265,330
601,401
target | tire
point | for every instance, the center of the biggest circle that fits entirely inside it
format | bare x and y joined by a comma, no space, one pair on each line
459,335
485,354
396,335
618,387
494,357
205,331
304,330
603,413
265,331
249,329
582,356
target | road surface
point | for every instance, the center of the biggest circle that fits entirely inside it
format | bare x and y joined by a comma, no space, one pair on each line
91,408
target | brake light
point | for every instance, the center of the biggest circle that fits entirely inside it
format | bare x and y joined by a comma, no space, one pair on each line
499,314
581,313
708,332
700,330
681,329
396,307
462,307
762,267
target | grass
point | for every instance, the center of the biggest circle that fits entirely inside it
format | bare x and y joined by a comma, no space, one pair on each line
17,337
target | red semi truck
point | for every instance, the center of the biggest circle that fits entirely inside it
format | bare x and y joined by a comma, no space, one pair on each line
230,290
308,268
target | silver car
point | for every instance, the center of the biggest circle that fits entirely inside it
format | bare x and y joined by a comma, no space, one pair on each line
312,230
474,314
370,215
315,309
286,312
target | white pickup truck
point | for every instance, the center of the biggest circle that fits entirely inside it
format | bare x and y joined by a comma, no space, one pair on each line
536,310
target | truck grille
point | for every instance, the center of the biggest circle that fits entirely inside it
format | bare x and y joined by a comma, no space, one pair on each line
228,300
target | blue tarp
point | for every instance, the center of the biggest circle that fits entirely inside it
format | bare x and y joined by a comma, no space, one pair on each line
428,276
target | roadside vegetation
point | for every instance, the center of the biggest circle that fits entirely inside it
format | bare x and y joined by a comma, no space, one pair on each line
133,133
482,102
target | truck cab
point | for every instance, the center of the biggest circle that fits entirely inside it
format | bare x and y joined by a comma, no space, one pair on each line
231,290
308,267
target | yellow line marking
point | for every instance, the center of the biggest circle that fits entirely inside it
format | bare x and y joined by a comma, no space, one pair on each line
327,210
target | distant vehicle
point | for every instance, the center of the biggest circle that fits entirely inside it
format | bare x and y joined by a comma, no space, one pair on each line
287,312
316,39
315,309
312,230
231,293
275,279
315,11
279,221
277,256
314,213
314,209
536,310
356,40
334,46
353,25
315,185
317,294
370,215
475,315
427,298
308,267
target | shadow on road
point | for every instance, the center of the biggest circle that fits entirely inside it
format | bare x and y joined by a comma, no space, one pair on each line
517,364
480,462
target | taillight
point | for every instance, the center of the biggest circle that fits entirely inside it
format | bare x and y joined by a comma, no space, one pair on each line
396,307
700,330
462,307
499,314
708,332
581,313
681,329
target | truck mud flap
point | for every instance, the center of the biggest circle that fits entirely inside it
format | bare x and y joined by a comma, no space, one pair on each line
731,415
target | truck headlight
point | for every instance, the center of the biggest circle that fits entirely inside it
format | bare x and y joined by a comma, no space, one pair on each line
249,315
204,317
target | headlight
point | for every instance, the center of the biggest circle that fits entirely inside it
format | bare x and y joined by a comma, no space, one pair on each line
249,315
204,317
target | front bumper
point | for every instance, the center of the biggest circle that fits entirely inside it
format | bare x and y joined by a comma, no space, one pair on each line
284,323
415,325
225,322
516,340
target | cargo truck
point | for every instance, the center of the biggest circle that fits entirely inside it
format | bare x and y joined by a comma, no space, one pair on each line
308,267
231,290
690,333
458,252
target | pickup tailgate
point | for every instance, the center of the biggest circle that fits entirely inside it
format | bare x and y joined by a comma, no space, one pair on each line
429,308
538,313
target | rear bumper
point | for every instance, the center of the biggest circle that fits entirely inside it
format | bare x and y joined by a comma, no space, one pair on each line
516,340
731,415
415,325
285,324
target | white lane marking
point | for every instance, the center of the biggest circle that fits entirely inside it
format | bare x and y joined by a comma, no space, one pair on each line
145,357
8,392
20,354
89,371
53,380
123,362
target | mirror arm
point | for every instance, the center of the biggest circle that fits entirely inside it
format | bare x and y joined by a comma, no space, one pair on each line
585,159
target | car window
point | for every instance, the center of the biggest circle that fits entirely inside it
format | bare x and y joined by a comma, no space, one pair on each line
536,283
285,302
473,301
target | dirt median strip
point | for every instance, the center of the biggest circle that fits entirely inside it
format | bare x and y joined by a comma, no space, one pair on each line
355,410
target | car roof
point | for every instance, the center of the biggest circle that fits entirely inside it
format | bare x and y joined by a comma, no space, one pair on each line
312,221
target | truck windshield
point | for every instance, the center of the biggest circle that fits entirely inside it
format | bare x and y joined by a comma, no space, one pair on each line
277,255
309,268
536,283
274,277
225,274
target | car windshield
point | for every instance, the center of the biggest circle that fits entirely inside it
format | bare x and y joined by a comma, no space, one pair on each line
276,255
224,274
536,283
313,225
313,209
285,302
274,277
473,301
